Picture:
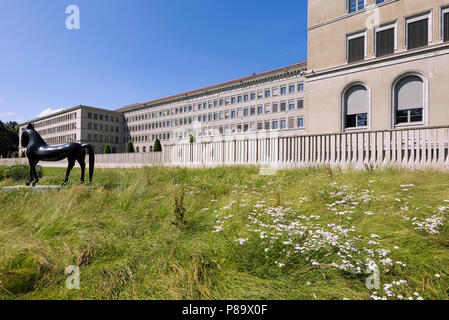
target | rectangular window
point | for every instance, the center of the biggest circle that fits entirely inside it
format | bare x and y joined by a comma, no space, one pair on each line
253,111
446,25
275,124
300,87
245,112
417,34
267,93
300,103
283,90
253,96
291,123
410,115
356,49
267,125
283,106
245,97
291,89
259,110
291,106
283,124
357,120
300,122
355,5
385,42
275,107
233,114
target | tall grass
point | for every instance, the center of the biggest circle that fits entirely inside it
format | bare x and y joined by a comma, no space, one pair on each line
121,234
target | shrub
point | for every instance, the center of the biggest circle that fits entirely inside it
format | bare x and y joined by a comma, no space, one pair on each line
107,149
8,155
22,172
22,155
157,146
3,173
130,147
179,210
192,139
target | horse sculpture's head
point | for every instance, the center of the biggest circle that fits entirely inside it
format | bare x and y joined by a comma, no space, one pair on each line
25,138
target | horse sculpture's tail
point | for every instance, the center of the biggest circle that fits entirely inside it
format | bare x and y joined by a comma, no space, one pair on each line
90,150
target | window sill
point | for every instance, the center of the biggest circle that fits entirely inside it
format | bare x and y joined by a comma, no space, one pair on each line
355,129
409,125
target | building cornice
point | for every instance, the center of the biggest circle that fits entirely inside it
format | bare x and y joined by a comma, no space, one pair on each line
66,111
402,57
297,68
349,15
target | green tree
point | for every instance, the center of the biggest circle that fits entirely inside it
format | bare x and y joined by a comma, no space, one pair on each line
22,154
130,147
8,155
9,137
157,146
107,149
192,139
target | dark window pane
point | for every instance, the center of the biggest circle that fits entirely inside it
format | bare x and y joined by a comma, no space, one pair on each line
401,116
446,27
418,34
351,121
356,49
385,42
416,115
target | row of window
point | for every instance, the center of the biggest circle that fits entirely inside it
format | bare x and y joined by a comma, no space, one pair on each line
220,102
101,138
418,33
61,139
58,129
49,122
409,105
101,117
217,116
267,125
101,127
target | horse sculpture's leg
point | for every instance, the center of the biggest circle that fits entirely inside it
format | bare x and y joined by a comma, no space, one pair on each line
31,173
33,170
82,163
69,168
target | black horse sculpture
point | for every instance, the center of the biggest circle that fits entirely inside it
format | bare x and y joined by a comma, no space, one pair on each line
37,149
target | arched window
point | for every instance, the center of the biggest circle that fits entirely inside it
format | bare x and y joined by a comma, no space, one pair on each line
409,100
356,107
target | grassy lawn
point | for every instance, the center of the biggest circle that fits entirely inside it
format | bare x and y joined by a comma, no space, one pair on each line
298,234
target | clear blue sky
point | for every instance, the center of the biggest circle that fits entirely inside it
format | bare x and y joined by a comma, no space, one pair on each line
130,51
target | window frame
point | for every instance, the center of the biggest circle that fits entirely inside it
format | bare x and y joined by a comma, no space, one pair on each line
348,7
425,108
384,27
443,10
343,107
415,18
355,35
